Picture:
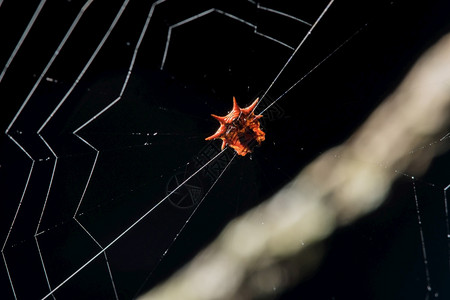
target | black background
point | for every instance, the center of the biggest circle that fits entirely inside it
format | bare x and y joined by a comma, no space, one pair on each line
159,124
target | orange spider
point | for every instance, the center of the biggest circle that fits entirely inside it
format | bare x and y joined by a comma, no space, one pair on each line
240,129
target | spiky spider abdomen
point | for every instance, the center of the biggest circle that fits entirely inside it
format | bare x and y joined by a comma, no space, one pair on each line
240,129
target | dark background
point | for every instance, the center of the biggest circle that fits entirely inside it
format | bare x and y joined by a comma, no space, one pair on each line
151,138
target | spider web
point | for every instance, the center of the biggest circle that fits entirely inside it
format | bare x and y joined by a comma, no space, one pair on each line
108,185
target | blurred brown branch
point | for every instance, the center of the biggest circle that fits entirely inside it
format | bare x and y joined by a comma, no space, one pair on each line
264,248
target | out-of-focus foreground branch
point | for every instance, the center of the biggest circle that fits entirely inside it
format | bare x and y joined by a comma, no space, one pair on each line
264,248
